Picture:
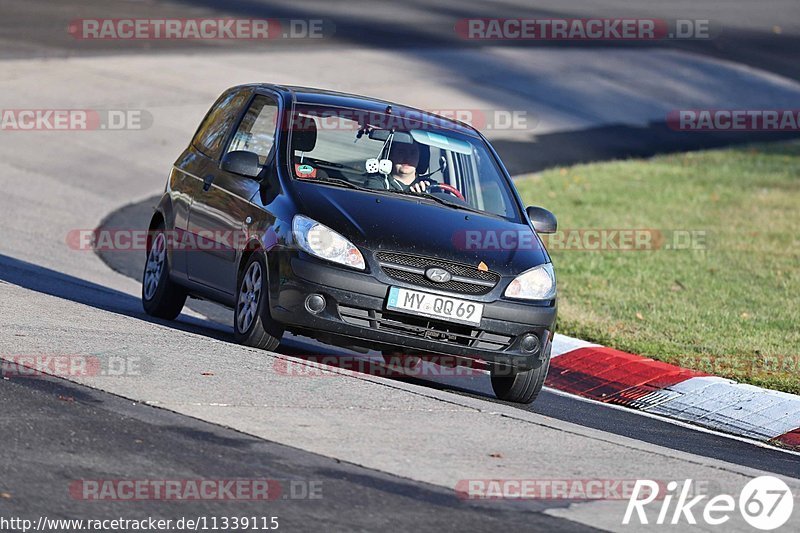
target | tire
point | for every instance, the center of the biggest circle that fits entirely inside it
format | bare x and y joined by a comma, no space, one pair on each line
521,387
161,297
252,324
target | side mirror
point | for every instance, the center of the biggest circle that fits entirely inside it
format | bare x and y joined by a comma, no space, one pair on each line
543,220
241,162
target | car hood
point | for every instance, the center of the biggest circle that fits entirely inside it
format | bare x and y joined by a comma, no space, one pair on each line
375,222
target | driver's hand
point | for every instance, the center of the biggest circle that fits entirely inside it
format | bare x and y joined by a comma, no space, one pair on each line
420,187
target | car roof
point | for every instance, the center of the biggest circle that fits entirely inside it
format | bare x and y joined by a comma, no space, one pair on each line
315,96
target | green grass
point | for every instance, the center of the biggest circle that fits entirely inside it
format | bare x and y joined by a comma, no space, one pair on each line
730,307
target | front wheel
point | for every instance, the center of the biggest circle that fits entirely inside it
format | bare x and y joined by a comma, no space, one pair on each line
161,297
520,387
251,322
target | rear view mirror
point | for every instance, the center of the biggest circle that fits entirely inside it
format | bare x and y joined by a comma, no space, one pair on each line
383,135
241,162
543,220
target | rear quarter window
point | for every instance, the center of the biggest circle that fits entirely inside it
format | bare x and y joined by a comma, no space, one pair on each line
256,132
214,129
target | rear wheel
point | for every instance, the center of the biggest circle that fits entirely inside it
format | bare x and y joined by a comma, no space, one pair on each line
251,321
161,297
520,387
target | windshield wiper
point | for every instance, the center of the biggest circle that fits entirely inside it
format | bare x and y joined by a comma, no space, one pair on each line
349,185
322,162
437,199
451,204
336,181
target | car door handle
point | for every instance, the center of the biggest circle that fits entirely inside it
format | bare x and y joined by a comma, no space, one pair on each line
207,181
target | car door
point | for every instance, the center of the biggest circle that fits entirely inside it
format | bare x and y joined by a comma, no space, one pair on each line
186,180
220,210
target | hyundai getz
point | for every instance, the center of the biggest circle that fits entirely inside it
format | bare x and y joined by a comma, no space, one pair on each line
358,222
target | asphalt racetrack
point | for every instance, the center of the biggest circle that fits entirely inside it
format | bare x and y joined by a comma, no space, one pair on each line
387,453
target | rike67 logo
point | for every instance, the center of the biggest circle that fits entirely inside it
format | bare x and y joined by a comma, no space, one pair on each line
766,503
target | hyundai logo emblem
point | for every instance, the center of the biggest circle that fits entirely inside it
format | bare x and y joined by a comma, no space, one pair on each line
439,275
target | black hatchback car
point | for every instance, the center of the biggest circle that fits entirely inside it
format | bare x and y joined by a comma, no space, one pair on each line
358,222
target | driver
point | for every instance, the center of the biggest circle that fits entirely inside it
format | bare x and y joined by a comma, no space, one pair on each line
405,158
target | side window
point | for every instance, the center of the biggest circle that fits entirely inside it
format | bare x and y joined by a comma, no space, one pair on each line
256,132
215,127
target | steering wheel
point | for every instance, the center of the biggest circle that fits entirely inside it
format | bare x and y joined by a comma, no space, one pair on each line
448,188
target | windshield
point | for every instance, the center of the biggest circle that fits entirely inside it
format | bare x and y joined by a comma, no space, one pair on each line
398,155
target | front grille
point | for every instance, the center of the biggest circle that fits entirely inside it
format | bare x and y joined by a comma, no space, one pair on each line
420,279
425,328
411,269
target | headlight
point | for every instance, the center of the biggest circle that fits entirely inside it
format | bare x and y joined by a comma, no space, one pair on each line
321,241
538,283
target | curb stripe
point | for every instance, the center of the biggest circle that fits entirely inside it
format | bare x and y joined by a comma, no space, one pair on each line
612,376
563,344
789,440
732,407
609,375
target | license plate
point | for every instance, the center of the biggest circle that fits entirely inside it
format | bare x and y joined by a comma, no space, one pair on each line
434,306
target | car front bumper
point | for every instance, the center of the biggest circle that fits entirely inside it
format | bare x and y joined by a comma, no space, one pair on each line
355,314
